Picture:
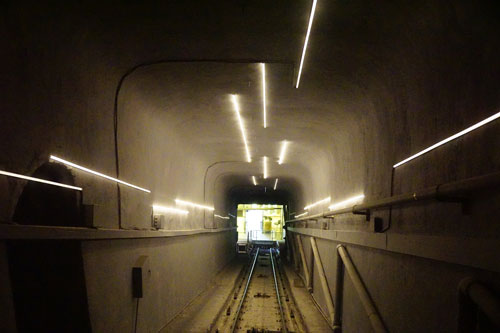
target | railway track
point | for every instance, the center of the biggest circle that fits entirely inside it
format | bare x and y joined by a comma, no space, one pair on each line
260,301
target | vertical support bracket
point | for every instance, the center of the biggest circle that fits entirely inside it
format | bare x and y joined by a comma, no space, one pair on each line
322,277
339,292
304,263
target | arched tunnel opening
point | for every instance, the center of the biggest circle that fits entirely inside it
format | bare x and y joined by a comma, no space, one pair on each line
250,166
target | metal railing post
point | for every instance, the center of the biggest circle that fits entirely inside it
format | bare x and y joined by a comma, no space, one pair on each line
365,298
322,278
304,263
473,291
295,251
339,290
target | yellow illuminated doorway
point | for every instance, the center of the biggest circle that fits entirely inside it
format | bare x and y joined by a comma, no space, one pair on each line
260,222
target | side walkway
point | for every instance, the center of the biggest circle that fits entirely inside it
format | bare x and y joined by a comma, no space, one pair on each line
313,319
200,313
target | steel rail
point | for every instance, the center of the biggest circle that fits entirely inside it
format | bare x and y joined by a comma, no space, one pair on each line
454,191
283,323
237,315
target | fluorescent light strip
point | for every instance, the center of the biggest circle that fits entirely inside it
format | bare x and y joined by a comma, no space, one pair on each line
76,166
263,68
264,165
453,137
38,180
311,18
242,128
187,203
222,217
164,209
317,203
231,215
346,202
300,215
254,181
283,151
275,184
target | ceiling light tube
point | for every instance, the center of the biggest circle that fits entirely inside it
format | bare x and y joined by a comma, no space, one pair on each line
254,180
300,215
263,69
284,145
187,203
264,165
222,217
231,215
325,200
344,203
311,18
242,127
76,166
164,209
453,137
275,184
38,180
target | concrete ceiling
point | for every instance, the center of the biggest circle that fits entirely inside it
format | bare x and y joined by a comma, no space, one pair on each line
194,95
380,81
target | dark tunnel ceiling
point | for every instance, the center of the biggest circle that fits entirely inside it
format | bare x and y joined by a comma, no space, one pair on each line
361,58
195,95
354,47
194,100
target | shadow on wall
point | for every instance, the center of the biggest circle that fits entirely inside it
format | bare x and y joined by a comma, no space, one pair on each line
43,204
47,277
48,286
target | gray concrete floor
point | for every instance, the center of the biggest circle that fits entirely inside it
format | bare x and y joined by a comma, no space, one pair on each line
312,318
201,312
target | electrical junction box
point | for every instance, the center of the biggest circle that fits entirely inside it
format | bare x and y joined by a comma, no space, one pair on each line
158,221
139,272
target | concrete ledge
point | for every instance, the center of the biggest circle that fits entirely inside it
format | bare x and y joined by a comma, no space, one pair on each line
8,231
467,251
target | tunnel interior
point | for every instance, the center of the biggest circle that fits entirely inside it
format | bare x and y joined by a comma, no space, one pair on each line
152,121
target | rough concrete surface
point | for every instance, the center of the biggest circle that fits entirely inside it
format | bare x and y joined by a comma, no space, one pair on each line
177,269
141,91
202,311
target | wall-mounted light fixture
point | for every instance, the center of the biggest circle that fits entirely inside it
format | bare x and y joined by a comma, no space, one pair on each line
264,166
79,167
187,203
453,137
284,145
344,203
263,70
242,127
164,209
311,18
300,215
322,201
38,180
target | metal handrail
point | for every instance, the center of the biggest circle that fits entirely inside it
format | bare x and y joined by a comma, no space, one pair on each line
472,290
454,191
344,260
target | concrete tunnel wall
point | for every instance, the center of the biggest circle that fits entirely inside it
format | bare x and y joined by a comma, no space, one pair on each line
177,270
377,89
